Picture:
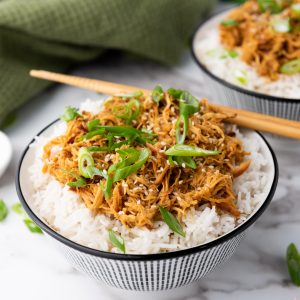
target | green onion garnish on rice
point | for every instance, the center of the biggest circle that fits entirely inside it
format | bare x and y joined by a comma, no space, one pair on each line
241,77
3,210
291,67
117,240
70,113
269,5
229,22
183,161
293,263
131,95
171,221
188,105
295,8
157,94
188,150
131,160
128,112
281,25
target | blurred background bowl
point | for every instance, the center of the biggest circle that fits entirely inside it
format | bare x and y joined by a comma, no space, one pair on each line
229,94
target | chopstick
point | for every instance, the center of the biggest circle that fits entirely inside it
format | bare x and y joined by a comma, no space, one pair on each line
252,120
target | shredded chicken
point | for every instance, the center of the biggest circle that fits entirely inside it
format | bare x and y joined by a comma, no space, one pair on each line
260,45
135,201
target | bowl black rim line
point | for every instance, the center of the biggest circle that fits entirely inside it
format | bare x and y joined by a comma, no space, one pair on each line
145,257
222,81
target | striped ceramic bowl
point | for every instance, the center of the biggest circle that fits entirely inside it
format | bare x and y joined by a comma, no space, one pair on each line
227,93
153,272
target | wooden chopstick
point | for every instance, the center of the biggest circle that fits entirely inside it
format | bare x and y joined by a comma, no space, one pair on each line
256,121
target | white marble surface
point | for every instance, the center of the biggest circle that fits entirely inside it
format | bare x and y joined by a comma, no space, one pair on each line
31,269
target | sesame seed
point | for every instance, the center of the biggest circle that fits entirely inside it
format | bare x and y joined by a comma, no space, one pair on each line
168,163
138,202
183,165
121,212
178,198
180,181
175,162
211,167
146,193
163,143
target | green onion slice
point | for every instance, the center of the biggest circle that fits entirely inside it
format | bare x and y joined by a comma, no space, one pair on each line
291,67
32,226
18,209
131,95
80,182
128,112
188,105
3,210
70,113
185,161
93,124
187,150
131,161
270,5
241,77
281,25
293,263
157,94
171,221
85,160
295,8
229,22
117,240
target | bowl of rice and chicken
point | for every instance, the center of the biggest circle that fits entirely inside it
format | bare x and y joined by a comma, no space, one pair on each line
250,56
148,192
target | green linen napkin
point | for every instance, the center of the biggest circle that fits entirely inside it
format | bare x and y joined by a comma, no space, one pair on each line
56,34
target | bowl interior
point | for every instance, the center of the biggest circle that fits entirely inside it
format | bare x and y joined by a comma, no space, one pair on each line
25,190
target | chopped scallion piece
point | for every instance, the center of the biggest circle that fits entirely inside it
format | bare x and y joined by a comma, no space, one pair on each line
295,8
293,262
92,125
117,240
32,226
157,94
80,182
131,161
187,150
241,77
188,105
269,5
281,25
18,209
229,22
185,161
3,210
128,112
131,95
70,113
291,67
171,221
85,160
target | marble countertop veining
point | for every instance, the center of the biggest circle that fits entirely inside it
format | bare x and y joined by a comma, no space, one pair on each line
31,269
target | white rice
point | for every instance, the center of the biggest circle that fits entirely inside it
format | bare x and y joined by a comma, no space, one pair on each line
209,50
66,213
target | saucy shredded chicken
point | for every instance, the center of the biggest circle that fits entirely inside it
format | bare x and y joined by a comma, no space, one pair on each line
135,200
267,38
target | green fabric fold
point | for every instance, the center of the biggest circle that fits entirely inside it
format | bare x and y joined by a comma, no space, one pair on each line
56,34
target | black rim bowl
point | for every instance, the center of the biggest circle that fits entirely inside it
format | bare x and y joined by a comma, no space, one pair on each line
145,257
222,81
